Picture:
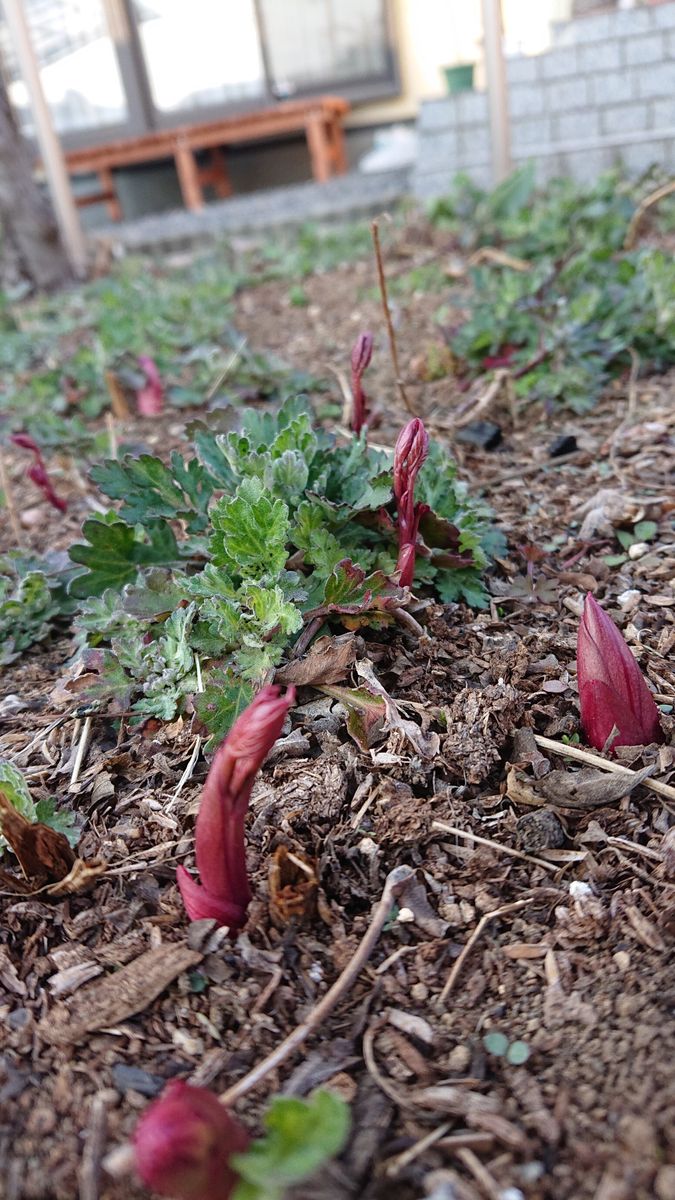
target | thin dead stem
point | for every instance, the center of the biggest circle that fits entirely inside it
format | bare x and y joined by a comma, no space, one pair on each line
485,920
9,501
375,230
594,760
653,198
443,827
394,884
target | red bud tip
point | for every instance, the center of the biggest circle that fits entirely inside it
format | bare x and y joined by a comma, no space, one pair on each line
150,398
612,690
183,1144
411,450
362,352
224,893
37,472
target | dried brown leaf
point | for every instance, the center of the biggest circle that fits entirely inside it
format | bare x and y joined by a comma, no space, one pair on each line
328,661
119,995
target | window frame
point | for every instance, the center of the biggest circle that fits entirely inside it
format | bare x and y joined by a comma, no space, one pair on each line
144,117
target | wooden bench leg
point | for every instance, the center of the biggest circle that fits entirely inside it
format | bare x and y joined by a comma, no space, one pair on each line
188,178
336,137
218,174
108,186
319,148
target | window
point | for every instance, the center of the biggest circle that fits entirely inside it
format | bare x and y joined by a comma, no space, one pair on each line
79,68
170,61
202,54
318,44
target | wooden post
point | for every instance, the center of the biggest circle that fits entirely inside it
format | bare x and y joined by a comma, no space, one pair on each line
497,89
50,147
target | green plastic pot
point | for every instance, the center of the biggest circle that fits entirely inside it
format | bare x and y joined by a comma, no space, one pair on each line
459,78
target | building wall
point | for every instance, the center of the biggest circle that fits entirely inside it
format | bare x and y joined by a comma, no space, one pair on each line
432,34
604,95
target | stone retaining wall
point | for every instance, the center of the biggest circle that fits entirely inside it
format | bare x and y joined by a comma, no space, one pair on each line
603,95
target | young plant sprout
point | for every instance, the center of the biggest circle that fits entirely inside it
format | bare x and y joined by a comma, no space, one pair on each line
38,472
362,353
411,450
183,1143
612,690
224,893
150,398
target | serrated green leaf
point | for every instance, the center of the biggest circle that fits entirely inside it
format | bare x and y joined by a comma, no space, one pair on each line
225,696
301,1135
14,787
63,820
115,552
251,532
149,489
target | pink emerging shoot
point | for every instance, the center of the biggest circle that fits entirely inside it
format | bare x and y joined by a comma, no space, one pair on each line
362,353
411,450
38,473
183,1142
612,690
150,398
224,893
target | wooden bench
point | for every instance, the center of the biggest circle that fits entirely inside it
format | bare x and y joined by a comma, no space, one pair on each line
320,119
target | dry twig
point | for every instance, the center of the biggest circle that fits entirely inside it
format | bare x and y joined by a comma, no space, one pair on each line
9,501
443,827
395,882
595,760
387,316
660,193
485,920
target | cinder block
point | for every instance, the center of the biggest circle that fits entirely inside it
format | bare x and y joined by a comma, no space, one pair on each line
524,68
525,100
631,23
438,114
429,185
530,131
663,113
626,118
565,94
659,80
559,63
586,165
472,108
577,126
615,87
584,30
601,56
474,147
649,49
663,16
640,157
436,149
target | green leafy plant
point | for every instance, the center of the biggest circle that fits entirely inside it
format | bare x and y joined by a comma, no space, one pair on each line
32,598
300,1136
514,1053
15,789
643,531
283,525
568,316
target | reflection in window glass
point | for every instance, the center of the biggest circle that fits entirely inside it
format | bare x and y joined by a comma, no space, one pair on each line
310,42
200,53
79,71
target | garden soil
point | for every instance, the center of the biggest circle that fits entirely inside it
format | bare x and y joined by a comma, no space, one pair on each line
542,913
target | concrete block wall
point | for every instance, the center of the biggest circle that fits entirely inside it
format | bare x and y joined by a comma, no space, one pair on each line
603,95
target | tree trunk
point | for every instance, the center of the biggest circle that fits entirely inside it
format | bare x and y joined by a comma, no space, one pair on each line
30,246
